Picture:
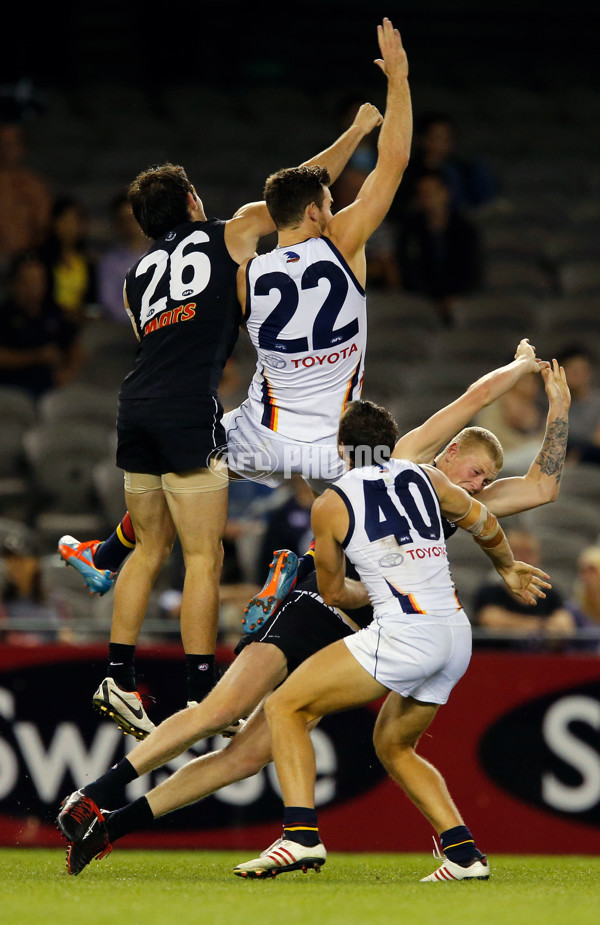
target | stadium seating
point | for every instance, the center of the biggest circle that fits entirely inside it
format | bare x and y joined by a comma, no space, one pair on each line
80,402
580,276
517,275
542,275
582,481
61,457
17,414
498,310
566,516
108,485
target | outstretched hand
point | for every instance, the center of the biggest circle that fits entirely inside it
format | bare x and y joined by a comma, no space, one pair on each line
525,350
393,61
526,581
367,118
555,382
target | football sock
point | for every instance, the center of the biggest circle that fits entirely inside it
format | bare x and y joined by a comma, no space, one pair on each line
112,552
121,665
459,846
306,563
201,676
300,825
136,815
109,788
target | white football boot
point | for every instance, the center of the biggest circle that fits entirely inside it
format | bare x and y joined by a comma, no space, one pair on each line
449,870
125,707
282,856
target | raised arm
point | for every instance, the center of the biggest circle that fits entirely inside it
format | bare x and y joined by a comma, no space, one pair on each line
522,579
542,482
421,444
351,228
252,221
330,523
339,153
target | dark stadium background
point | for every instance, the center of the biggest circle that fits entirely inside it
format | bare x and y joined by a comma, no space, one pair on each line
306,44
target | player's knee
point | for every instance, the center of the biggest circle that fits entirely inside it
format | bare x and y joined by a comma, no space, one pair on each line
210,717
271,707
166,548
154,554
389,748
224,717
251,761
209,558
280,705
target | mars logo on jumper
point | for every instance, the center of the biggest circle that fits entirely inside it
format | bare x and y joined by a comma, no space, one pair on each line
547,752
292,257
181,313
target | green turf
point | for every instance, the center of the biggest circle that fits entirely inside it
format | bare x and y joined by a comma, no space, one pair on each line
177,887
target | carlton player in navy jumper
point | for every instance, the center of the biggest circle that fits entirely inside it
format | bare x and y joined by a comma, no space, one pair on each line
181,297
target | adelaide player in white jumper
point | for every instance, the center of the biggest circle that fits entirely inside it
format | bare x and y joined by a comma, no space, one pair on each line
387,519
304,302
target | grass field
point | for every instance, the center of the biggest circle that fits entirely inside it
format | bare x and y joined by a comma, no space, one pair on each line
177,887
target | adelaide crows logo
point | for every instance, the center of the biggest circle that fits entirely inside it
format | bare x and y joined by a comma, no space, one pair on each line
292,257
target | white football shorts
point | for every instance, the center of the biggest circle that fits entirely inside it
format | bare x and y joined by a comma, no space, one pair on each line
422,658
256,452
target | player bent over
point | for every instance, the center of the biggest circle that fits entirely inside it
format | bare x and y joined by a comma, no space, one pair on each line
388,520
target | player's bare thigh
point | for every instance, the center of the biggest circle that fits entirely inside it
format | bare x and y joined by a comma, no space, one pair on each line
256,671
330,680
150,514
197,501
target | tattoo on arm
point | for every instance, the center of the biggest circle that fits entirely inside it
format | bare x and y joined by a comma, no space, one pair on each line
551,457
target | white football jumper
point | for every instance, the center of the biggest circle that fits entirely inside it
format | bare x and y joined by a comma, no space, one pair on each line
306,317
419,643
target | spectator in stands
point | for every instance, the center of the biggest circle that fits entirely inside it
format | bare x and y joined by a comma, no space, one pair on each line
39,347
584,604
128,244
66,254
24,599
439,249
518,420
499,612
469,181
584,418
25,198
